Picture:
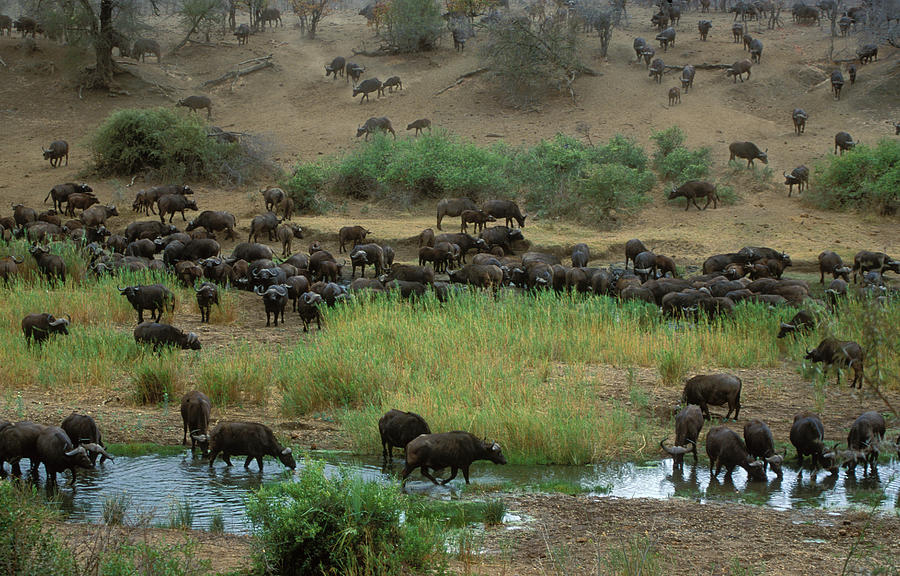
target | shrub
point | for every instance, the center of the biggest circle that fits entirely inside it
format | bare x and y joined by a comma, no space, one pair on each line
114,508
403,172
864,178
636,557
342,525
305,185
565,177
676,162
414,25
171,146
672,366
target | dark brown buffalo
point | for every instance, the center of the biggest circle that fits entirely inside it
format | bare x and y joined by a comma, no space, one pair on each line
801,322
398,429
58,453
863,441
83,430
19,441
715,389
195,409
39,327
158,335
453,207
456,450
842,354
214,221
248,439
866,260
761,444
726,449
688,424
832,263
505,209
808,437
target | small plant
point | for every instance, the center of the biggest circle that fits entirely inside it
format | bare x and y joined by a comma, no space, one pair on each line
494,511
413,25
217,522
154,381
181,514
172,146
672,365
637,557
115,508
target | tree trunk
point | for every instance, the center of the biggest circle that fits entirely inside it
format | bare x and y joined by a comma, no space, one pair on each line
103,43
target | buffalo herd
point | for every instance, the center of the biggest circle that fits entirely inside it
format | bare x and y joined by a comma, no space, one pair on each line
498,258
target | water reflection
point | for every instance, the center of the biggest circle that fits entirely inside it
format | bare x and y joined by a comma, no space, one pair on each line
153,483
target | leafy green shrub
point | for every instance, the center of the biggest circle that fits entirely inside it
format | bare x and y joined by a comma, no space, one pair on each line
636,557
864,178
676,162
414,25
565,177
402,172
340,525
171,146
305,185
727,195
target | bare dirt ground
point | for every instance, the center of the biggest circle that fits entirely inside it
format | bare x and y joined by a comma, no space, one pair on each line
304,116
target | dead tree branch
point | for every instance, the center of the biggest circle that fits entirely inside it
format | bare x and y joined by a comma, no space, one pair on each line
262,63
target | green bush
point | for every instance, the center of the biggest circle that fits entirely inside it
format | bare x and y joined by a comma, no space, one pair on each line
403,172
414,25
338,525
305,185
864,178
154,379
170,146
676,162
156,559
565,177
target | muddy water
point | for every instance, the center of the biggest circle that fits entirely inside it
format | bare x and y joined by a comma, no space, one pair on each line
154,483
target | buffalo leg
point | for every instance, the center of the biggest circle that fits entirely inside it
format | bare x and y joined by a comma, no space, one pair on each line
184,438
405,473
227,459
426,474
72,481
453,471
248,461
259,462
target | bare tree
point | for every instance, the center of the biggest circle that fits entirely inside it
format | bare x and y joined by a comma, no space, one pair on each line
310,13
197,14
528,58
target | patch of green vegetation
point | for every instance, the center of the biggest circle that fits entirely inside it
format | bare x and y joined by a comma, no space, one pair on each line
864,178
639,556
674,161
144,449
341,524
171,146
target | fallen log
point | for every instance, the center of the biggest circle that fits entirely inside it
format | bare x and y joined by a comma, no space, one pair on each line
701,67
235,74
459,80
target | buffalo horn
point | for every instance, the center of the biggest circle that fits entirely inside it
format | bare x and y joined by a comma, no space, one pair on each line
59,321
74,451
121,289
756,464
93,447
199,437
258,290
286,451
18,261
673,450
787,326
776,459
642,270
785,174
